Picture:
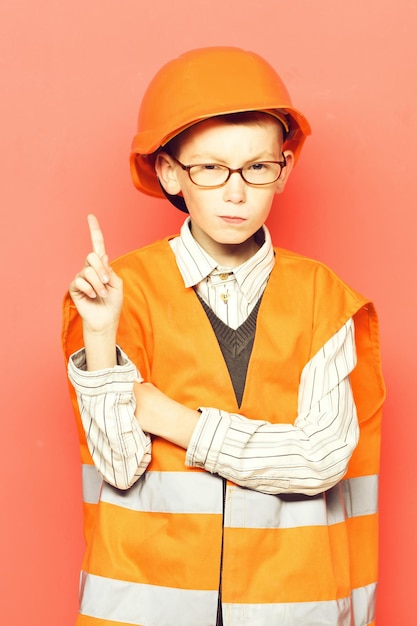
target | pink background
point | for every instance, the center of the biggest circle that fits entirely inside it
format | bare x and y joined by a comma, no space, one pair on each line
72,74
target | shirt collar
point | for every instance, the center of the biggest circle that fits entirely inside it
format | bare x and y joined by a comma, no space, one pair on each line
195,264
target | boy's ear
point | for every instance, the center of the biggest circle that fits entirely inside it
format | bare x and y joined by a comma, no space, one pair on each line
167,173
289,158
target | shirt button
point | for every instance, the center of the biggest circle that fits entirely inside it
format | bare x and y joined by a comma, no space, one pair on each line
224,276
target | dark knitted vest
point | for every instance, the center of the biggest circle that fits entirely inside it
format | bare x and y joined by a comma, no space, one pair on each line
236,345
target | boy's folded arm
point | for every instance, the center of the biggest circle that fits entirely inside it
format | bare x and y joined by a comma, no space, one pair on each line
308,456
121,451
278,458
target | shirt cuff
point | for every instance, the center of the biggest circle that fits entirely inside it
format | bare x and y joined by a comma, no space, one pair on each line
119,378
207,439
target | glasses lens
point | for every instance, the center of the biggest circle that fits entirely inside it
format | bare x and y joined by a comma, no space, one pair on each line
208,175
262,173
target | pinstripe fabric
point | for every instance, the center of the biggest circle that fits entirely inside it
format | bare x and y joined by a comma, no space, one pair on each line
242,287
119,448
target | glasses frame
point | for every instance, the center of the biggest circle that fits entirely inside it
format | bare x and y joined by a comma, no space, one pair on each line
238,170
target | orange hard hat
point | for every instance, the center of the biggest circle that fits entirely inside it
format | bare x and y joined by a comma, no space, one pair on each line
204,83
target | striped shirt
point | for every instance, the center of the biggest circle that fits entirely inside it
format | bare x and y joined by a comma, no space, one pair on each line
231,293
308,457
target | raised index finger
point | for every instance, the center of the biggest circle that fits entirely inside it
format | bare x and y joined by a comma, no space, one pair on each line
97,239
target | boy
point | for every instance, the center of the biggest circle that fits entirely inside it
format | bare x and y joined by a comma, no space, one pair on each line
222,384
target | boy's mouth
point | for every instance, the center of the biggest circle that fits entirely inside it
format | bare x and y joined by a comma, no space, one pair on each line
232,219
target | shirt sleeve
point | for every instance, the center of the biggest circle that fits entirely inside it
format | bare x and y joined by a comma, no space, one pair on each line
307,457
121,451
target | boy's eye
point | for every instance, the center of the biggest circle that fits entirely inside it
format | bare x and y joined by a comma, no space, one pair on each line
210,167
258,167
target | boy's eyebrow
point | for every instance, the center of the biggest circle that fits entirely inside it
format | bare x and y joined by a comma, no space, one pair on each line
210,158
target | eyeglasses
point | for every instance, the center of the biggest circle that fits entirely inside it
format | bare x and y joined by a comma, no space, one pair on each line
215,175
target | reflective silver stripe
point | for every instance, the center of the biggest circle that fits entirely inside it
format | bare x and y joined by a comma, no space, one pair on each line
246,508
92,483
200,492
364,604
170,492
361,495
133,603
332,613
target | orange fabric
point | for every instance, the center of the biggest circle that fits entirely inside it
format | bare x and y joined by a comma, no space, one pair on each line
84,620
168,537
363,544
166,333
258,580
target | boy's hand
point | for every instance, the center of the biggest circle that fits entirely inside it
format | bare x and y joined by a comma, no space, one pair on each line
96,290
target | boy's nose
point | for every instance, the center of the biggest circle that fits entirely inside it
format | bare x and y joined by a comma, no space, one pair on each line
235,189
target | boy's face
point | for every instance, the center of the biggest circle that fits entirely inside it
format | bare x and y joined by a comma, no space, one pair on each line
224,219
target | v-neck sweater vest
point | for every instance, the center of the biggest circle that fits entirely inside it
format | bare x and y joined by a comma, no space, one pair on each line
236,345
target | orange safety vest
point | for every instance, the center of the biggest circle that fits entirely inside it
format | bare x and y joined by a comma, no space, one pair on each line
155,551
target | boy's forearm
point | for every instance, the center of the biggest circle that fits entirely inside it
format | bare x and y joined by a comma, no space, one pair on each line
159,415
100,349
176,427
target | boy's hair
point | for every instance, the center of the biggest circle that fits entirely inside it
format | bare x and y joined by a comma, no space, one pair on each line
201,84
246,117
